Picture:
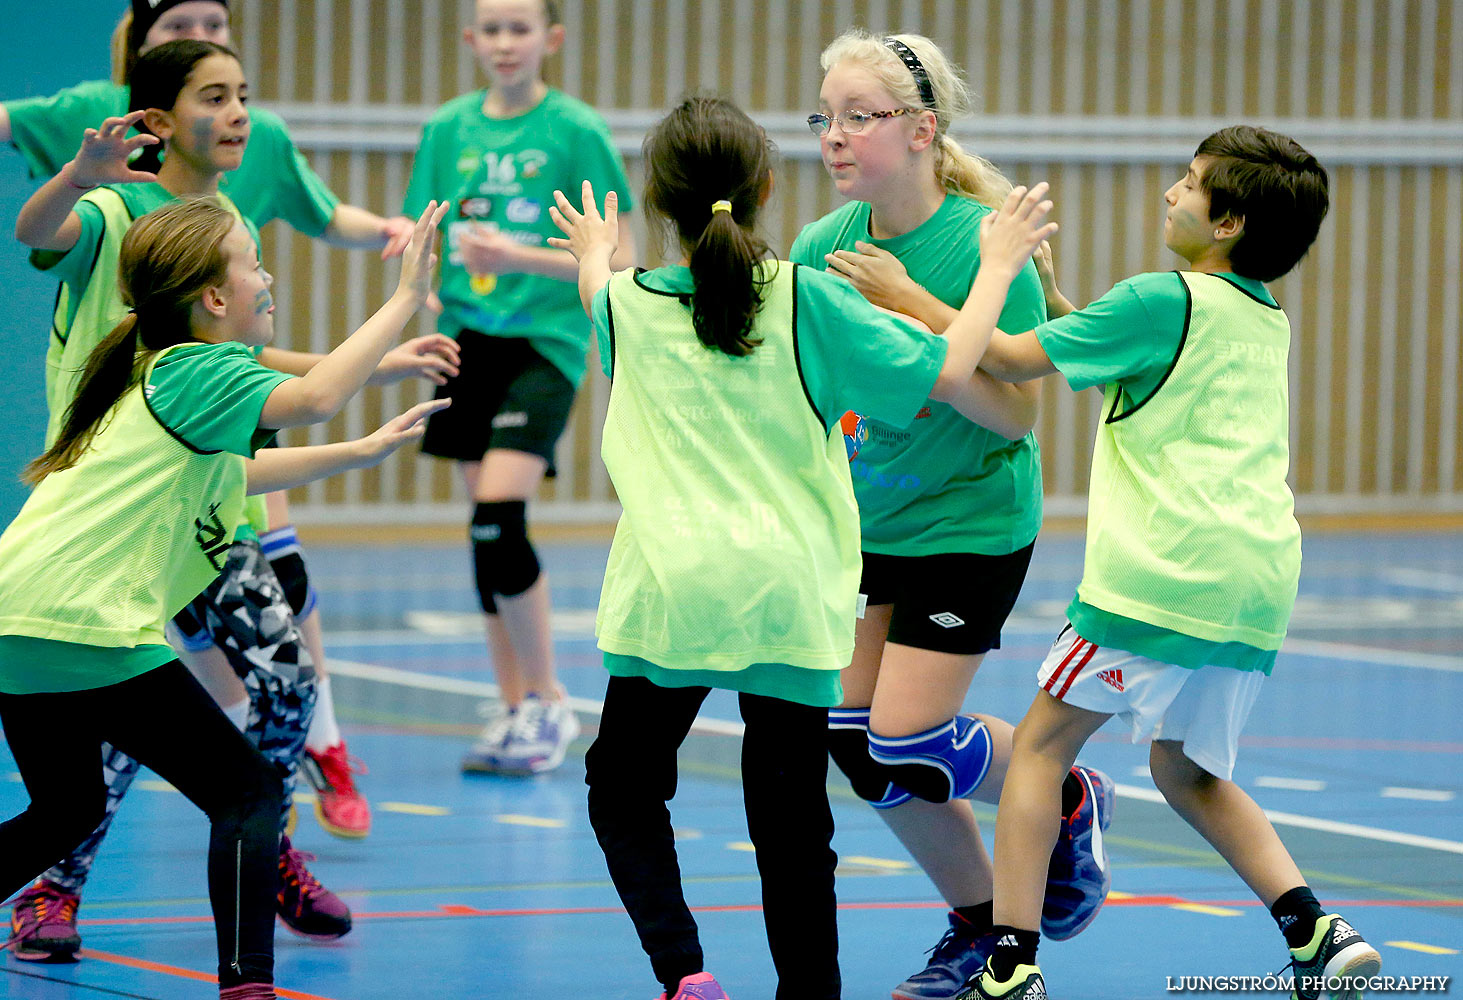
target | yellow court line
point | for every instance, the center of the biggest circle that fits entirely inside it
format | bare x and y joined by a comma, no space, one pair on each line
741,845
1213,911
513,819
889,863
413,809
1426,949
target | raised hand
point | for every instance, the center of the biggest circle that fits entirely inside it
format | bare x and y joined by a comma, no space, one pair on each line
105,151
485,249
586,232
397,232
434,357
1010,236
418,259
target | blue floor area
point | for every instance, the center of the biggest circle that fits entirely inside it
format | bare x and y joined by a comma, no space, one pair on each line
472,887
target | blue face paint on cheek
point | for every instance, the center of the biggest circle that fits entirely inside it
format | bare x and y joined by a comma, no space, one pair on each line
263,301
202,131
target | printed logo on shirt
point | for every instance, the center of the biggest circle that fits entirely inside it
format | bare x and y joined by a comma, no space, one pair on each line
855,432
517,418
924,413
1112,678
474,208
947,620
524,211
212,537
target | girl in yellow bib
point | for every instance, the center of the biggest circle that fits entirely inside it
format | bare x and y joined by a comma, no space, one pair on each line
736,562
134,505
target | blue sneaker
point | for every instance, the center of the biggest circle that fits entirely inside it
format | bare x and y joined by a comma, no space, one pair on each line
482,756
960,954
1079,877
1025,984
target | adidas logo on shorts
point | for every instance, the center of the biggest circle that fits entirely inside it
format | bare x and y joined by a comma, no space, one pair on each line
1113,678
947,620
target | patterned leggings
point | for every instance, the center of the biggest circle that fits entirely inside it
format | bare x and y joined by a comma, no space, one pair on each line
245,613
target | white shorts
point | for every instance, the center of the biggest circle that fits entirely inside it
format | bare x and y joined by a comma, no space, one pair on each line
1204,709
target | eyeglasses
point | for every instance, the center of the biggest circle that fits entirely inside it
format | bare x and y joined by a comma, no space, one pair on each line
850,121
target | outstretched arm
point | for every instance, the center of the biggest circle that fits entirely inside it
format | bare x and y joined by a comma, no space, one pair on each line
1018,358
359,229
282,468
434,357
320,393
47,222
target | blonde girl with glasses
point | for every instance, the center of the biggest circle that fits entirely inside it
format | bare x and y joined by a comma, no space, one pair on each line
949,509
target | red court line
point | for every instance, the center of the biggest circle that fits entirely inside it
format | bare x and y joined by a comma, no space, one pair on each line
180,972
459,910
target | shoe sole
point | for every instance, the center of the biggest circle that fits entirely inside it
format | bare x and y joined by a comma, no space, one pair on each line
1358,961
342,832
61,956
311,937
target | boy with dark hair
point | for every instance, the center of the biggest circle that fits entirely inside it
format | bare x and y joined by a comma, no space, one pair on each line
1193,552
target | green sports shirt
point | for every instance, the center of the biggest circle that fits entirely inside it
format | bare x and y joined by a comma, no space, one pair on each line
942,484
502,172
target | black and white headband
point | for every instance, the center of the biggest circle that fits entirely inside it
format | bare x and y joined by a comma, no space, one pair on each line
916,69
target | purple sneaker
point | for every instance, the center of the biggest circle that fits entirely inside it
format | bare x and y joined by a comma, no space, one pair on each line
701,986
43,924
1079,876
307,907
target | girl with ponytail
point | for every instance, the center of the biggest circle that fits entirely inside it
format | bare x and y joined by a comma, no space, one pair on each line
949,509
134,507
735,564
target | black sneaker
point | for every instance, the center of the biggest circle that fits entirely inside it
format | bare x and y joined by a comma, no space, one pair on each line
960,954
1025,984
1338,961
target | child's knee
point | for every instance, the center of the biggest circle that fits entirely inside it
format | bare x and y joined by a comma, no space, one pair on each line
1173,772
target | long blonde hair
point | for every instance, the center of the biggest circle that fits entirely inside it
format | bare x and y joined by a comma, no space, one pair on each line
957,170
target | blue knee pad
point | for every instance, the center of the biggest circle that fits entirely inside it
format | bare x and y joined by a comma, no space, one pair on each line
282,548
848,745
502,556
946,762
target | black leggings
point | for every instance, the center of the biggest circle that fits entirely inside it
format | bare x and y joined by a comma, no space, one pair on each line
631,773
166,720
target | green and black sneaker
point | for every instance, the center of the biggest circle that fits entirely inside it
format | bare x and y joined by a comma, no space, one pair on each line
1025,984
1337,962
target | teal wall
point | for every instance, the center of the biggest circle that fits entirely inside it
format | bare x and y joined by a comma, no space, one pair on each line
63,43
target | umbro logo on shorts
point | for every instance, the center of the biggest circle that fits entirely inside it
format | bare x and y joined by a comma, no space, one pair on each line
1112,678
946,620
515,419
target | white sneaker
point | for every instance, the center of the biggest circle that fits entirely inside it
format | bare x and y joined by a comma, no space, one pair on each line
538,737
482,756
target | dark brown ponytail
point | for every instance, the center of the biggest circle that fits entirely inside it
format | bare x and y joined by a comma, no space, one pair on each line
704,152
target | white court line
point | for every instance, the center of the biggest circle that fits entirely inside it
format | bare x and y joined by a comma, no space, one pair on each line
1324,825
728,727
1418,794
1290,784
1424,579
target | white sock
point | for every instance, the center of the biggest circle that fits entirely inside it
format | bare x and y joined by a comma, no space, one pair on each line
238,713
324,730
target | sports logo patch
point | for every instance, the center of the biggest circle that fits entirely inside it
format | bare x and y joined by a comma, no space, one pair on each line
1113,678
947,620
855,432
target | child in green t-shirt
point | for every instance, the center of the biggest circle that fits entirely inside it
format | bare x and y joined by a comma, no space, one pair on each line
736,562
1192,559
508,299
949,509
137,499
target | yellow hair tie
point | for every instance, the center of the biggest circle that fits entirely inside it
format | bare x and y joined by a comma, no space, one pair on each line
721,206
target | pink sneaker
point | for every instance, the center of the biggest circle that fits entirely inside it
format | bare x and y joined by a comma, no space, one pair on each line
307,907
701,986
339,806
43,924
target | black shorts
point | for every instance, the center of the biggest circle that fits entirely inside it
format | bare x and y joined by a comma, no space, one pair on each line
507,396
950,603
